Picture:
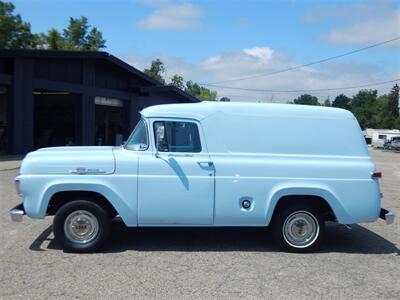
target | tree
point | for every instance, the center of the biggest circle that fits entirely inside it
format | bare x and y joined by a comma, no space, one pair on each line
14,33
392,108
78,37
177,81
397,123
380,118
200,92
225,99
94,40
341,101
306,99
54,40
327,102
364,106
156,70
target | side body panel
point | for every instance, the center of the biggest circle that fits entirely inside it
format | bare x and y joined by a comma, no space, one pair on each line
265,179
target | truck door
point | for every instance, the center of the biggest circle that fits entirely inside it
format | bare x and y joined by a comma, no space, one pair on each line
176,183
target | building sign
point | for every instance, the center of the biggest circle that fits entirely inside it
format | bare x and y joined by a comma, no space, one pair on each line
108,101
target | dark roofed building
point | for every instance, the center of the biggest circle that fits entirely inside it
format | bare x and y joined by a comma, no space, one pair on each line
53,98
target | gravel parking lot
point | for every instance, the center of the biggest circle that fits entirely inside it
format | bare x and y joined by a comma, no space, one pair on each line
202,263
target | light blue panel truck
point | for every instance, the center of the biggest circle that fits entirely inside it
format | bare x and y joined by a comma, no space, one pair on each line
291,167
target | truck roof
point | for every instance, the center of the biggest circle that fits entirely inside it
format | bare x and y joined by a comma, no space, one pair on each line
204,109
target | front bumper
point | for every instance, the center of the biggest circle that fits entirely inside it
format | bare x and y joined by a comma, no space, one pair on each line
17,213
388,216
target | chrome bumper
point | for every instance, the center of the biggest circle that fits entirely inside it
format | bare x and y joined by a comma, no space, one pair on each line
17,213
388,216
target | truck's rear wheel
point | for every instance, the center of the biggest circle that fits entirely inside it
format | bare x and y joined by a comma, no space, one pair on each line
81,226
298,228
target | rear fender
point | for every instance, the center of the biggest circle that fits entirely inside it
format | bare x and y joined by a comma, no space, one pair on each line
320,191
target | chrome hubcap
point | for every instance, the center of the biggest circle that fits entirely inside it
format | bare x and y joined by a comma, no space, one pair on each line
81,226
300,229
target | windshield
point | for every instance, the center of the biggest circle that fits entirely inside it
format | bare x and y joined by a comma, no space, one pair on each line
138,140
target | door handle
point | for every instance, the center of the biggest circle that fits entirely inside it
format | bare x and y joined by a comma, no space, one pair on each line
203,163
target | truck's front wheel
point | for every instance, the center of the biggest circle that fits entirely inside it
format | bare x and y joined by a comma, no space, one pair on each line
298,228
81,226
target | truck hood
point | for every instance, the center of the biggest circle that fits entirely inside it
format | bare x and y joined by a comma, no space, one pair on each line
70,160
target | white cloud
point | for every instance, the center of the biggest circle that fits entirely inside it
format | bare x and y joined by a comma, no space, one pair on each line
263,53
169,16
259,60
368,31
361,23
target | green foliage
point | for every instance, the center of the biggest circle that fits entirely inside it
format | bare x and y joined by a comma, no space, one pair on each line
177,81
225,99
55,40
341,101
156,70
78,36
392,108
75,33
327,102
14,33
306,99
364,105
380,115
200,92
397,123
94,40
371,110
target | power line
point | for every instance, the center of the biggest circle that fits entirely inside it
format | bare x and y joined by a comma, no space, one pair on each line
306,90
305,65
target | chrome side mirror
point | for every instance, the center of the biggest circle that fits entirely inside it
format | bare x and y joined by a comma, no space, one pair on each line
160,135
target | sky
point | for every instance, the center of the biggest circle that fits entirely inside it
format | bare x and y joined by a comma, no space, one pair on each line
225,42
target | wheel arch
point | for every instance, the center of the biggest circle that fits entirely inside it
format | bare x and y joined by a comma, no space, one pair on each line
58,194
60,198
320,197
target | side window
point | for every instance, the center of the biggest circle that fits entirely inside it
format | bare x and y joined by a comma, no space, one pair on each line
177,136
138,140
382,136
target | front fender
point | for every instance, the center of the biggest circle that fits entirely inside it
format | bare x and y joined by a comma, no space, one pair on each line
36,203
305,189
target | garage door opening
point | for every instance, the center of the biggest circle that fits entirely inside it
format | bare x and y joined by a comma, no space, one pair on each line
4,128
57,120
109,121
